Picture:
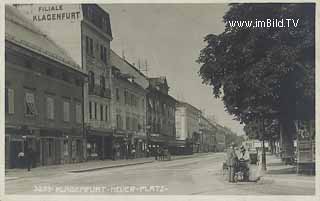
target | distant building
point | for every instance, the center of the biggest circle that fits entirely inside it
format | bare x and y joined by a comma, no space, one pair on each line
160,114
43,96
220,138
207,135
187,128
84,31
129,108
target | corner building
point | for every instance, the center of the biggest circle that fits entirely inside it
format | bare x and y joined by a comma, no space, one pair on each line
84,31
161,109
43,97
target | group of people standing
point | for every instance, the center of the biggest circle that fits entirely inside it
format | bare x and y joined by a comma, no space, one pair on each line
123,152
233,160
161,153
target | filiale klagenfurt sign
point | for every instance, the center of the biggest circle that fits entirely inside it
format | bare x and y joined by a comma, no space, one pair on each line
54,13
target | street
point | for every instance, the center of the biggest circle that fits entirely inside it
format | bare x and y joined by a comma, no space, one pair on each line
189,176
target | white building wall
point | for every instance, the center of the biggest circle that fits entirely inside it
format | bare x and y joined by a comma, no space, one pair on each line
181,123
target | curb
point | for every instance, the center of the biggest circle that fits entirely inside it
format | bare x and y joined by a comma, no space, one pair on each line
190,156
12,178
108,167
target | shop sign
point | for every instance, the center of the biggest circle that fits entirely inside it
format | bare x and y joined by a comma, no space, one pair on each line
55,13
154,134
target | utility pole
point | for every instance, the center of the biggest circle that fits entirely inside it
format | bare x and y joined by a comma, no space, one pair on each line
146,67
123,56
139,65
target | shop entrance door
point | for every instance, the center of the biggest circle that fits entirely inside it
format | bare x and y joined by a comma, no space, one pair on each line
15,148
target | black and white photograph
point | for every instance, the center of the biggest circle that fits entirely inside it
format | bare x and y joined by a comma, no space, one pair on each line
160,99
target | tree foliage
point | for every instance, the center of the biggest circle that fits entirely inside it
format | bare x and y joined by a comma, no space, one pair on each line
269,71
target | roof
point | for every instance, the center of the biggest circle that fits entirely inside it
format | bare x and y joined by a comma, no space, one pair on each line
23,32
126,68
185,104
154,81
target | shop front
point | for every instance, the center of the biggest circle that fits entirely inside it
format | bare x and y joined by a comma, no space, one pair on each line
140,144
49,146
156,141
177,147
122,145
17,140
99,144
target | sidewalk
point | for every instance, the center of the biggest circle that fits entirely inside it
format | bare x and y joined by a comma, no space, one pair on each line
277,171
13,174
55,170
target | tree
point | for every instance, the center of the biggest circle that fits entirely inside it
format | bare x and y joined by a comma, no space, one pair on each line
264,72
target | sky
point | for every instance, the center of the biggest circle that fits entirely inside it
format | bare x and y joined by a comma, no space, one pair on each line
170,38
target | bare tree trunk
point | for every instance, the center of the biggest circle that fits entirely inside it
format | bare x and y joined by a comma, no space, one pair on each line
287,132
271,146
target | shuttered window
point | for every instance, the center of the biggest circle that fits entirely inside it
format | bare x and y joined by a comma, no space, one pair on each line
30,104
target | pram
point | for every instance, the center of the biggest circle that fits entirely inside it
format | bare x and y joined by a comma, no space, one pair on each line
242,170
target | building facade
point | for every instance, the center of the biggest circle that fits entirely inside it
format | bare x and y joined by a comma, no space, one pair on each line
87,40
207,135
187,128
220,139
129,109
96,36
160,114
43,96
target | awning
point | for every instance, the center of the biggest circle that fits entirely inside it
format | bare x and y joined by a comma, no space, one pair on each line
177,143
99,132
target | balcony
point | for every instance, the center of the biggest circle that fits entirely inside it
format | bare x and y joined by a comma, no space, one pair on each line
99,91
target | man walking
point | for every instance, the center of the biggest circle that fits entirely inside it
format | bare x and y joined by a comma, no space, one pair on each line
29,158
232,162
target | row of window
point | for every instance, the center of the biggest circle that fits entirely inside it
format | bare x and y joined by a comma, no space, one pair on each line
98,47
132,123
92,80
97,18
161,107
31,106
129,98
95,109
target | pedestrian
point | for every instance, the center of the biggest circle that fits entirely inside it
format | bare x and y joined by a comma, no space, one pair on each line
133,152
242,151
159,153
155,151
232,162
148,152
114,153
21,159
29,158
